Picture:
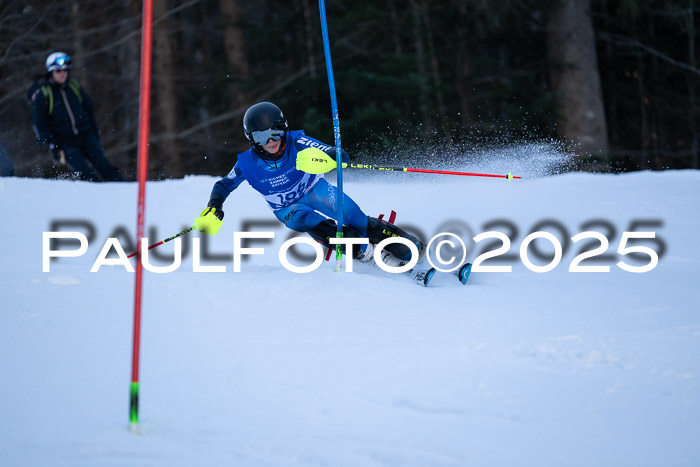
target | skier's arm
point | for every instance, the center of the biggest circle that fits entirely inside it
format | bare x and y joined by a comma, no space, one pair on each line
40,116
211,219
303,142
224,187
42,127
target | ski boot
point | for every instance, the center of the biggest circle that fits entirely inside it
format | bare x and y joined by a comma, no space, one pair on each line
378,230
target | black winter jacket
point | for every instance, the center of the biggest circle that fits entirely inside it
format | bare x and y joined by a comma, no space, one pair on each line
62,112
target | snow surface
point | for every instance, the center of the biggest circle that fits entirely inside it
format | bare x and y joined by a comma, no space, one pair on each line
270,368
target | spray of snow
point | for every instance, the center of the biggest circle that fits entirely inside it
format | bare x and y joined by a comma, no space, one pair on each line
501,153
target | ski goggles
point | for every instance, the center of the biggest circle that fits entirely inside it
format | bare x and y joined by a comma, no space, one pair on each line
61,63
261,137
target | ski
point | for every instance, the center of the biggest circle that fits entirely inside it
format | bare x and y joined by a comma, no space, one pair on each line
463,272
422,276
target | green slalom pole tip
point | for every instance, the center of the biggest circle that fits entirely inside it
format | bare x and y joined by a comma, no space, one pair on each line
509,176
338,252
134,404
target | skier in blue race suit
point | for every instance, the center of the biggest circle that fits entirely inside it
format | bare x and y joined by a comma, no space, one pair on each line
303,202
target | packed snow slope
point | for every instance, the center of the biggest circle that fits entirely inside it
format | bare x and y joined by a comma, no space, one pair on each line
266,367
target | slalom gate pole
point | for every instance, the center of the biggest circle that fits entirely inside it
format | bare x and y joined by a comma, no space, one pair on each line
336,132
144,118
163,241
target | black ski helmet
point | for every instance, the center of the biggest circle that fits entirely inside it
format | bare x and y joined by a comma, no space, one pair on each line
263,116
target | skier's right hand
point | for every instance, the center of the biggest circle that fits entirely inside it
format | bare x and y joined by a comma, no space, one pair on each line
58,154
209,221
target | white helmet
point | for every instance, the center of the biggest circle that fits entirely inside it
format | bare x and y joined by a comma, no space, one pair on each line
58,61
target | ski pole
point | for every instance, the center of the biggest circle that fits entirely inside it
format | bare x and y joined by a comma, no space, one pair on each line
315,161
509,176
166,240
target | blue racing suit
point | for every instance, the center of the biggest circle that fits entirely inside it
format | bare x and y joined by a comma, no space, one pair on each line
299,200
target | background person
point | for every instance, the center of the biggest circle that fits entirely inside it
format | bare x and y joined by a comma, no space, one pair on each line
64,119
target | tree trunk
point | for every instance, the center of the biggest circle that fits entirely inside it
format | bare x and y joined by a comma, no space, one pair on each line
78,54
694,145
127,70
395,29
574,76
434,64
642,160
309,40
463,65
423,101
234,45
165,98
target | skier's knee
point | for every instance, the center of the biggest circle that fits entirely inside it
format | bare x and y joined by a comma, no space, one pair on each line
326,229
322,231
379,229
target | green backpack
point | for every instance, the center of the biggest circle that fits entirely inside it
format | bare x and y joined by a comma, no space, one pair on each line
48,93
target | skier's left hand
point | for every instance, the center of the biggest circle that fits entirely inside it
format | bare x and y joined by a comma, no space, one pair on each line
209,221
59,157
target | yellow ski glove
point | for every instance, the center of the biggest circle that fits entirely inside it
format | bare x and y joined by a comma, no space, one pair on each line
209,221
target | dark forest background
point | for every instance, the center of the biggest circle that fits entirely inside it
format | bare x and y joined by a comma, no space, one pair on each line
617,81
